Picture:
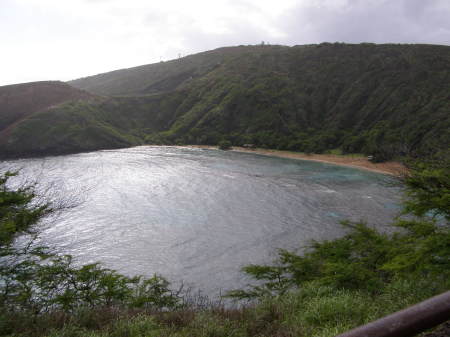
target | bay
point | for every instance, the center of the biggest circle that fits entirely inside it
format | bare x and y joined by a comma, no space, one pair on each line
198,215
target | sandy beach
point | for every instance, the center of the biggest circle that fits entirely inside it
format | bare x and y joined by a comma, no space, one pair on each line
391,168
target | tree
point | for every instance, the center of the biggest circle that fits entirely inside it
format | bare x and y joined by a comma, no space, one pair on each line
224,145
366,259
34,280
18,215
428,187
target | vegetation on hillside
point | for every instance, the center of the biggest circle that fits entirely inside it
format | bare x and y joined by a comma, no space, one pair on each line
224,145
329,288
20,100
157,77
388,101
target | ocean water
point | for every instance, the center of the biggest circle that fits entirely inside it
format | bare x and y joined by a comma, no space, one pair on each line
198,215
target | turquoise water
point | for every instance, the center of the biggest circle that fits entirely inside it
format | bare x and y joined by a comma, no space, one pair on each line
199,215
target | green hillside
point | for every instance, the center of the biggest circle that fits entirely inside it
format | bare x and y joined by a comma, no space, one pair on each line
21,100
157,77
387,100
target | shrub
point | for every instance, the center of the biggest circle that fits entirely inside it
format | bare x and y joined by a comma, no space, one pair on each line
37,281
366,259
224,145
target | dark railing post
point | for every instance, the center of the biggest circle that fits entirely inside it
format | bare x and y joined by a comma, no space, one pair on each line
407,322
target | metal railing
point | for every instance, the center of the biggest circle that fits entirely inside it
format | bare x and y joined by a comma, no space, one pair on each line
407,322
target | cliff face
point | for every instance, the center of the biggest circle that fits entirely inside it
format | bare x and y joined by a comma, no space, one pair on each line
384,99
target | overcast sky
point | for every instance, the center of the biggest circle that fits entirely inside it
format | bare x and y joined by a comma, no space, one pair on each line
68,39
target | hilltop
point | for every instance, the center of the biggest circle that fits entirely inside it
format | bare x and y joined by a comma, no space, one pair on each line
386,100
160,77
18,101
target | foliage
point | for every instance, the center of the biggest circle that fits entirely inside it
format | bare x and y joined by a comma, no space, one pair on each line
429,187
332,287
387,101
312,311
17,216
366,259
224,145
36,281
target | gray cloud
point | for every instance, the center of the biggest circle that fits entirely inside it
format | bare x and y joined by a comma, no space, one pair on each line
51,39
380,21
195,39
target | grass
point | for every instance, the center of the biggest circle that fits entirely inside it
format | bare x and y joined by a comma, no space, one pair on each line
312,311
335,286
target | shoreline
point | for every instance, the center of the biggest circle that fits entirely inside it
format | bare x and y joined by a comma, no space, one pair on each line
390,168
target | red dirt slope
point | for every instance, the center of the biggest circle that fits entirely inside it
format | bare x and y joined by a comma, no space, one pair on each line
18,101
